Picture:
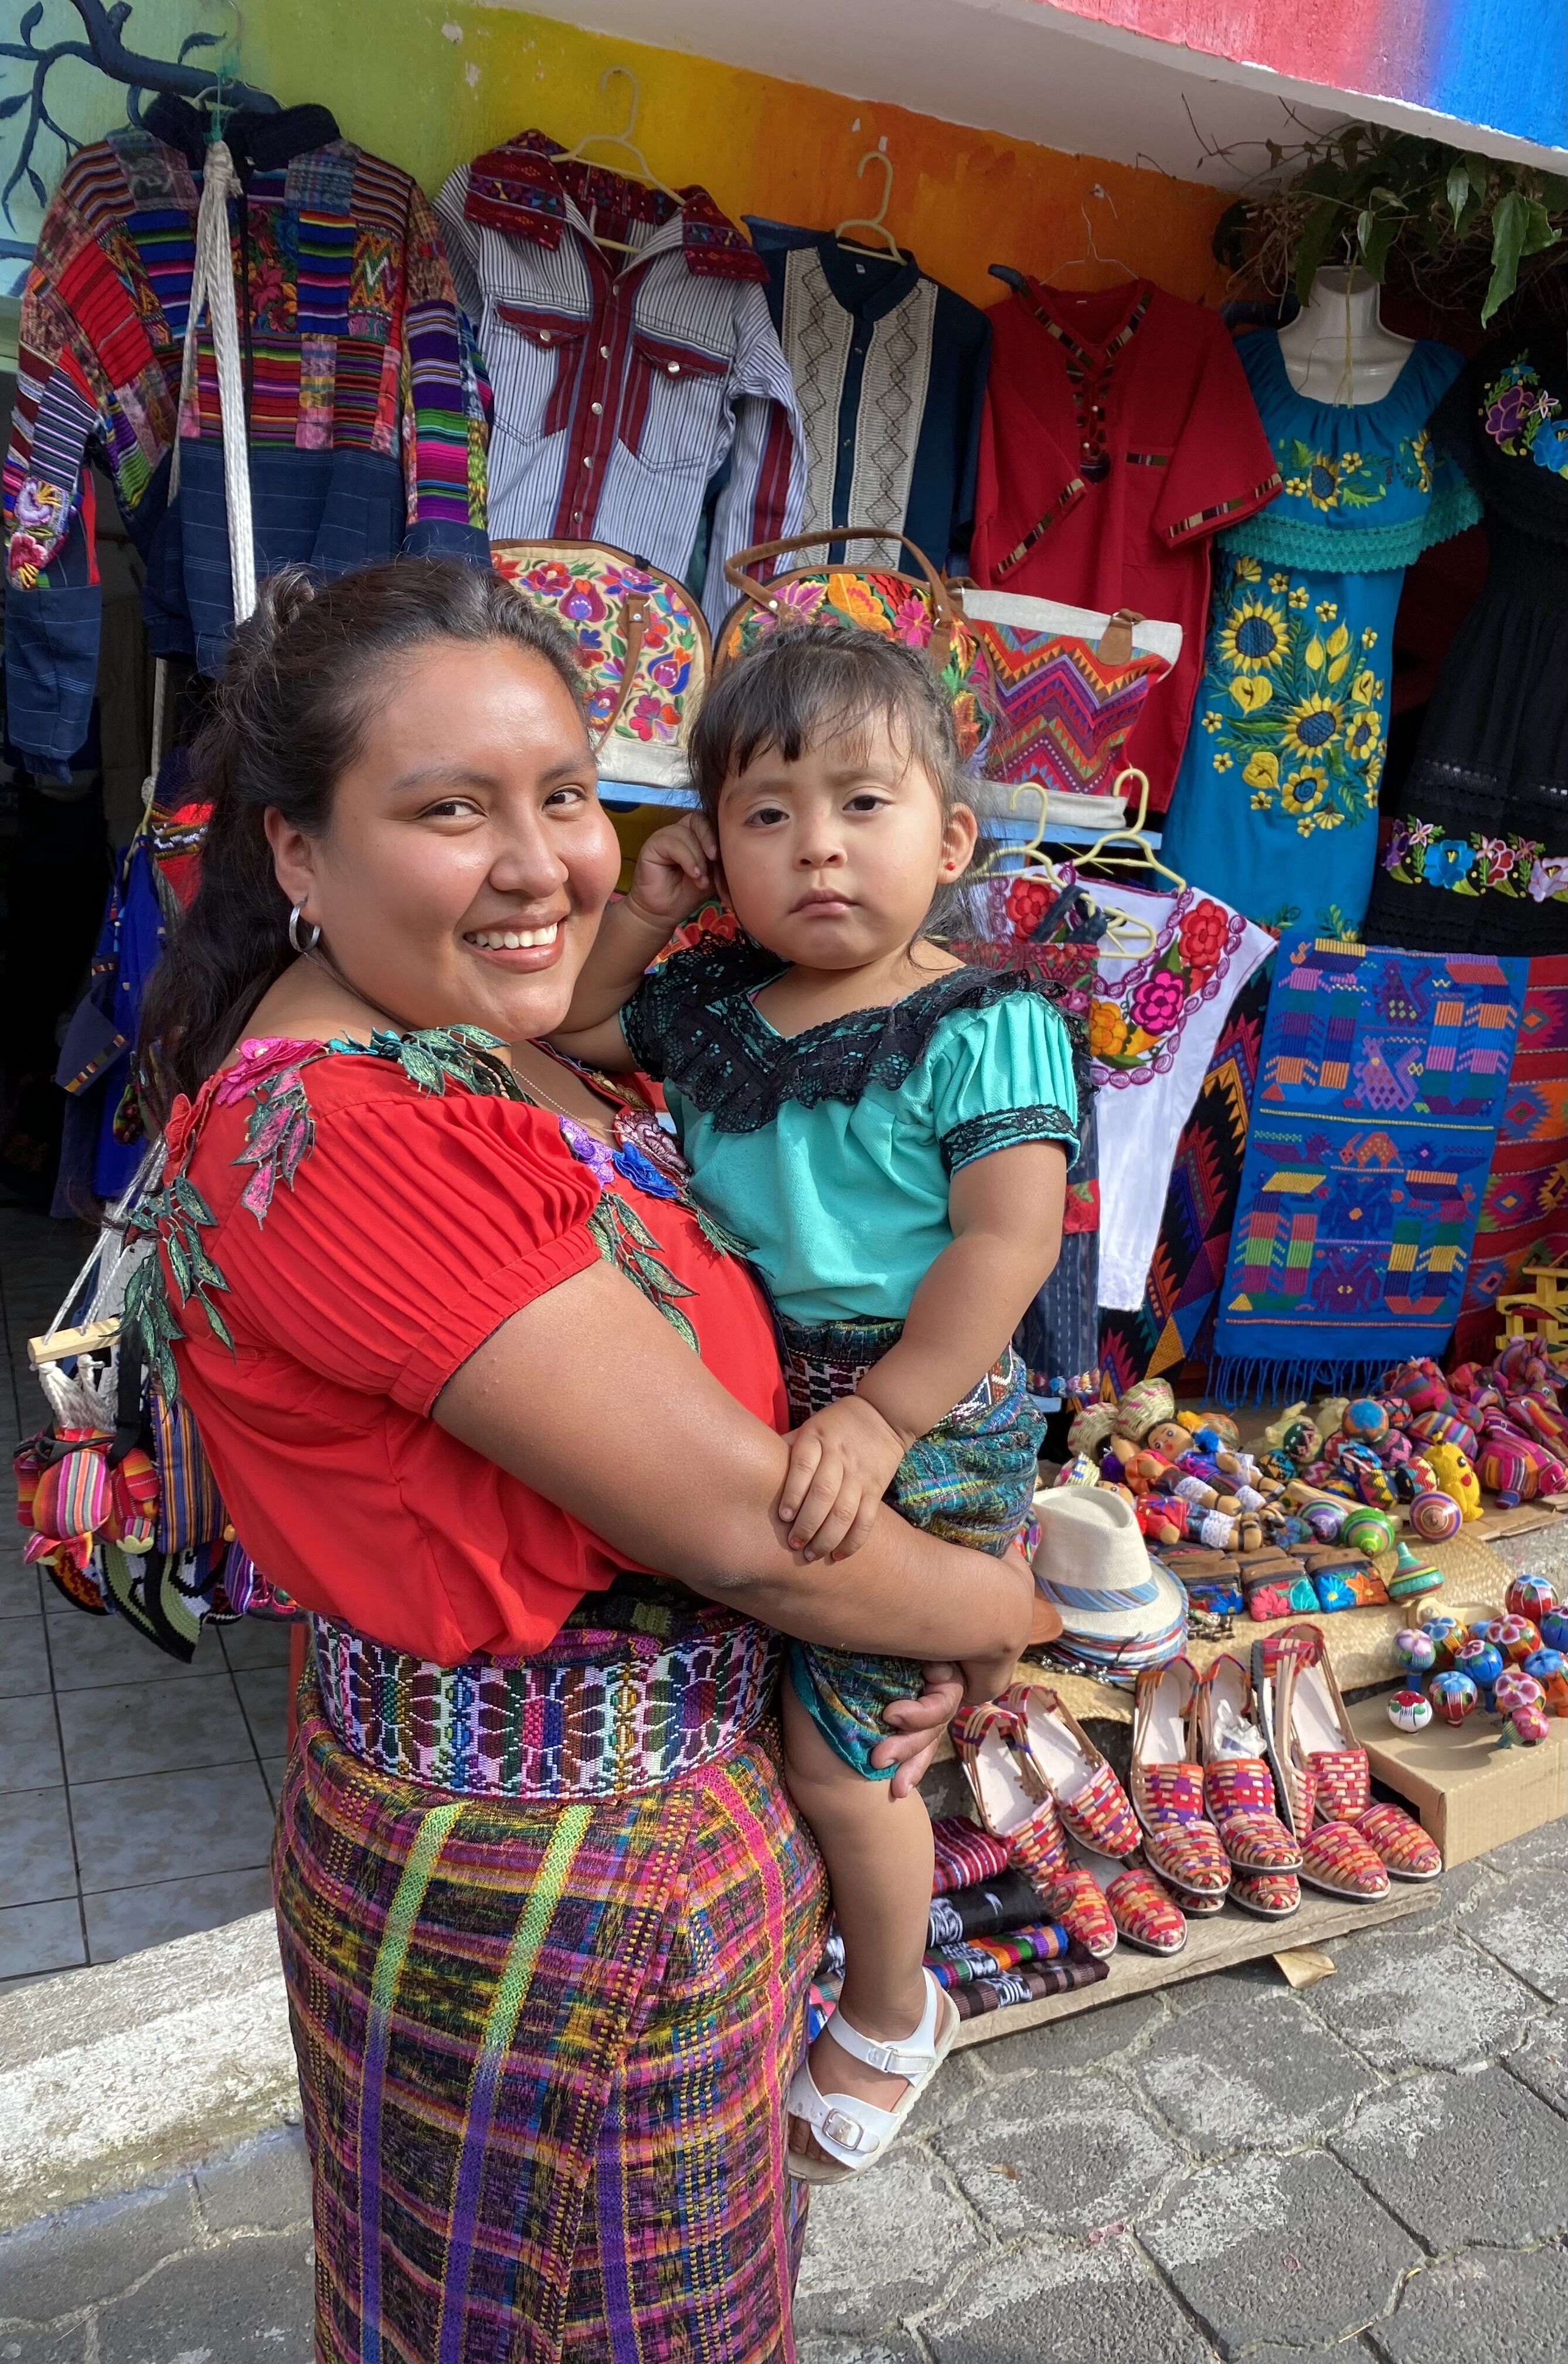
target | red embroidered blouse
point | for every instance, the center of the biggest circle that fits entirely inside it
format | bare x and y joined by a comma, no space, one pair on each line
1120,434
365,1254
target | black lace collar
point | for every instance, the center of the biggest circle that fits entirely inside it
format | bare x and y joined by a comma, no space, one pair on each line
695,1023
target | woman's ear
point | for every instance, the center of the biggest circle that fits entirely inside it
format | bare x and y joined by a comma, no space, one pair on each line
293,863
960,832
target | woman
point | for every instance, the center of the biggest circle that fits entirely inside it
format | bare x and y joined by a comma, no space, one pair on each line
546,1917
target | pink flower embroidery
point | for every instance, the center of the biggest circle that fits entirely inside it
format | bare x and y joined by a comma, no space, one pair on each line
1548,877
261,1056
1158,1002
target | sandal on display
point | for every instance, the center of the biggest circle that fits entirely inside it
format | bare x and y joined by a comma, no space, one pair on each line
1237,1787
1014,1808
1092,1803
1272,1895
1179,1842
1335,1857
853,2133
1146,1914
1342,1775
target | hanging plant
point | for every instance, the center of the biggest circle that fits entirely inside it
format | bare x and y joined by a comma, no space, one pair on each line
1461,231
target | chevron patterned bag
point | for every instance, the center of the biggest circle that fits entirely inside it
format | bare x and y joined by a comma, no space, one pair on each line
1069,685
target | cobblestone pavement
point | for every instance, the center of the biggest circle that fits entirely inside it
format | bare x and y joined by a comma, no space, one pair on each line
1375,2167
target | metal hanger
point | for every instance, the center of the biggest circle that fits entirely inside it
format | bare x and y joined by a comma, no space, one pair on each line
878,220
1091,252
641,169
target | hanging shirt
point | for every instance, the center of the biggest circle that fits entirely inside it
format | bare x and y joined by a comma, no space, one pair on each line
1276,805
623,384
1118,436
889,371
364,420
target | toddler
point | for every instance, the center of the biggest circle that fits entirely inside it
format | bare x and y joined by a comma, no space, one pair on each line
889,1133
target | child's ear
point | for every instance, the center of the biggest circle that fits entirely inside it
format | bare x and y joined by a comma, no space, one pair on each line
960,835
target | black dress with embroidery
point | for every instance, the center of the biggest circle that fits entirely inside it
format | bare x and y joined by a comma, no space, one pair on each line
1477,859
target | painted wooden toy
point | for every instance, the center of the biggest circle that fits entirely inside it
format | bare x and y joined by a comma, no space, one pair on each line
1447,1632
1550,1668
1453,1696
1516,1637
1326,1520
1368,1531
1515,1688
1482,1662
1412,1576
1530,1596
1435,1516
1414,1648
1526,1728
1456,1476
1554,1629
1408,1711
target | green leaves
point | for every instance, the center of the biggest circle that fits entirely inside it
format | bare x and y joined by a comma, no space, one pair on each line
1520,226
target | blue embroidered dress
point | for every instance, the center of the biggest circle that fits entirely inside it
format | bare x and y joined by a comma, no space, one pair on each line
1275,808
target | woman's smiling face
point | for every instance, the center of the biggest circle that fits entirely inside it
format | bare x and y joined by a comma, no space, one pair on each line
467,859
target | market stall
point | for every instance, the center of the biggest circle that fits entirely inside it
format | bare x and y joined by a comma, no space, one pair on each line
1147,450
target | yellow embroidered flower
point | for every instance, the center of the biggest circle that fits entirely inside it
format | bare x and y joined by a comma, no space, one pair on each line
1361,736
1279,581
1107,1029
1422,466
851,596
1314,656
1248,570
1223,761
1262,771
1327,611
1262,801
1302,792
1311,725
1213,722
1338,651
1253,635
1323,481
1251,692
1299,597
1369,636
1364,689
1295,486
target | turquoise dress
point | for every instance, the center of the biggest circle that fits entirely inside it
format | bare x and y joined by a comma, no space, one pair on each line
1276,805
831,1154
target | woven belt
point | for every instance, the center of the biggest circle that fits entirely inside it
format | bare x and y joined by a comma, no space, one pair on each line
602,1713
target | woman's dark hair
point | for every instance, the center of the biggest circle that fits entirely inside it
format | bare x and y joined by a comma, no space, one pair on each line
301,681
806,683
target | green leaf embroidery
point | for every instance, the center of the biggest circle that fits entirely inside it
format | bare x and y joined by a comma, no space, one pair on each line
625,1241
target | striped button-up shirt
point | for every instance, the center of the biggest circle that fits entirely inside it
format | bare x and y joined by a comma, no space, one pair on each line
624,386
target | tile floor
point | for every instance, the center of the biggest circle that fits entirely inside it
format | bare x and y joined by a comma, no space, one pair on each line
136,1794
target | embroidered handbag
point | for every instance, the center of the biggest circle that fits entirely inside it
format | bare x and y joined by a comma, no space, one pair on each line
1069,686
643,645
917,609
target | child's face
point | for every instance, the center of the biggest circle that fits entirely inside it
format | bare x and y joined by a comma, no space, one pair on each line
832,861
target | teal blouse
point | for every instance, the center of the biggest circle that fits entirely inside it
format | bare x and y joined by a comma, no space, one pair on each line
830,1153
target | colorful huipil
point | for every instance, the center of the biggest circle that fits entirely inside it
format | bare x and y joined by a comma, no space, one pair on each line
1118,437
624,383
364,402
1276,805
1477,859
889,370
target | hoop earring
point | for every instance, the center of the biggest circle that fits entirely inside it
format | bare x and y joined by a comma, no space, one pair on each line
303,949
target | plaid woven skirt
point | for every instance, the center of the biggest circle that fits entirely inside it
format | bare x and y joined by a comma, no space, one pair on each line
542,2045
970,1480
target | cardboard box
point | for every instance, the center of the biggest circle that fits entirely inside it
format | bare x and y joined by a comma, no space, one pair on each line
1467,1793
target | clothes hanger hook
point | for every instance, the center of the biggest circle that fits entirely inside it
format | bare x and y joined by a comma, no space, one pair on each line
878,156
630,126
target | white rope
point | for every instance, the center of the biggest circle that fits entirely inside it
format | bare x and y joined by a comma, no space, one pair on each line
212,286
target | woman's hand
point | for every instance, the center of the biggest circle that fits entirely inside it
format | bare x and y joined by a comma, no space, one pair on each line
674,872
919,1724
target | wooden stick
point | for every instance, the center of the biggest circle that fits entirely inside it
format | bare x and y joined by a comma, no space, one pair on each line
58,1346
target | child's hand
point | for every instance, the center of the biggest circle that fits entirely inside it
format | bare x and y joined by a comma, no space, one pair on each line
674,872
840,1464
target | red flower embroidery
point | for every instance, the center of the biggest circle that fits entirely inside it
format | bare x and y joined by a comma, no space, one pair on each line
1028,902
1203,934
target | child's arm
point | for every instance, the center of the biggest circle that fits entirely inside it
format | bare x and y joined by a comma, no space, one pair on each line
1006,1215
673,876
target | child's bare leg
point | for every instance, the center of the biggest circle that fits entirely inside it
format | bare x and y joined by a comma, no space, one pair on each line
878,1851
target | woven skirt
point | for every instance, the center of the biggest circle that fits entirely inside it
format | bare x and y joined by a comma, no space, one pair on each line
542,2044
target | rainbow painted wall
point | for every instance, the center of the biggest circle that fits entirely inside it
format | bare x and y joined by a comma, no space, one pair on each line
1482,60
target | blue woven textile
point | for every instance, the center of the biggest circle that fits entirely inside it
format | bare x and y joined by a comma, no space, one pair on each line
1381,1084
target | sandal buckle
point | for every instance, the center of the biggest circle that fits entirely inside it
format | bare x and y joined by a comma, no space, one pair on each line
847,2131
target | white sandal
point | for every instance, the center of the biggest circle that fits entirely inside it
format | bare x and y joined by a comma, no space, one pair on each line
853,2133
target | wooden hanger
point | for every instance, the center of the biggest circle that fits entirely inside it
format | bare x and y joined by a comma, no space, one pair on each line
877,222
641,170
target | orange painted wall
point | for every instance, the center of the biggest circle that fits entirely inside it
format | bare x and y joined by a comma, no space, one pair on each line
429,82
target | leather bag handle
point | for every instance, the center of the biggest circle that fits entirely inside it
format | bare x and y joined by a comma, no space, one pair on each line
943,622
633,624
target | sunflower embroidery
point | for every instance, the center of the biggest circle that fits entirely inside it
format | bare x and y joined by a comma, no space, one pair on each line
1253,635
1304,791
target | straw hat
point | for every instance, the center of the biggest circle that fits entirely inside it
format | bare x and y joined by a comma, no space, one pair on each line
1116,1603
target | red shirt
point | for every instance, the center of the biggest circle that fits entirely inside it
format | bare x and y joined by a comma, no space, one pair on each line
1120,434
414,1226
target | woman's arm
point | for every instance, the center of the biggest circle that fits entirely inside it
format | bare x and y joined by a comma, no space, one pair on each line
588,1395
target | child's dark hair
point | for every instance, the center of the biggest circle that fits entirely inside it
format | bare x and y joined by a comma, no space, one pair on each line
302,678
806,683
